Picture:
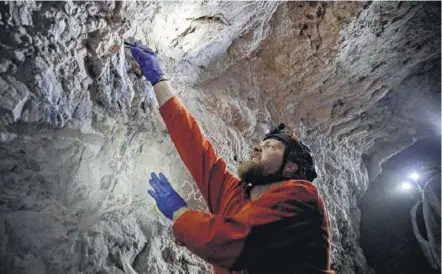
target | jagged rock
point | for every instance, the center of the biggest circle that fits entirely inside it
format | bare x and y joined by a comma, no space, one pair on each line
14,95
80,130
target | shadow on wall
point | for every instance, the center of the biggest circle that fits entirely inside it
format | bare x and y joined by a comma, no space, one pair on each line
387,236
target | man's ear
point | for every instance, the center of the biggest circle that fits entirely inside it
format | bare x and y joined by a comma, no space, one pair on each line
289,169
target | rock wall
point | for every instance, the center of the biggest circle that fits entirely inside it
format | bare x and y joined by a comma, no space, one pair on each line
80,130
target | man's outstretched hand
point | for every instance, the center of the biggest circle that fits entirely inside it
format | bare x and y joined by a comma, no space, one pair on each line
168,201
148,61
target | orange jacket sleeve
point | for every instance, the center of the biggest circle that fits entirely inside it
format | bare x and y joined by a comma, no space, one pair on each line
280,219
209,172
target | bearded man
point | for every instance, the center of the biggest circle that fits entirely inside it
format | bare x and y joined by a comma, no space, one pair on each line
269,220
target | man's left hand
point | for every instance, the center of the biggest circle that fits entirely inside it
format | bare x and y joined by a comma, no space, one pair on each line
168,201
147,59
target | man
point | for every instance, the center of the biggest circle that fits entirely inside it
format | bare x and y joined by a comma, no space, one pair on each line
272,220
428,210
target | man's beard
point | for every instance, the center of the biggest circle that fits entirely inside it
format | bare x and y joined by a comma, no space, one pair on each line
254,172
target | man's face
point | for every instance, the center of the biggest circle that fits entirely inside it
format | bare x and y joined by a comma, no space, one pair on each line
265,159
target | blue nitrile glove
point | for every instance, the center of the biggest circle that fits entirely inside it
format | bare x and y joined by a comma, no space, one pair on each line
168,201
147,59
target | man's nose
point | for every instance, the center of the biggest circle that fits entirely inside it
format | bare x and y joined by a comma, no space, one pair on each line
257,149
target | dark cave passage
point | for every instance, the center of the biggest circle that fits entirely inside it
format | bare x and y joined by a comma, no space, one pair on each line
387,237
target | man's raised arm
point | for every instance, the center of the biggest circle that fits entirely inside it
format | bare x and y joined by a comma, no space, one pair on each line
209,172
163,92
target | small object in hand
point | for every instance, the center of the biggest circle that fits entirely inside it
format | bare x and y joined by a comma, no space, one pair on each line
134,65
137,44
136,69
129,45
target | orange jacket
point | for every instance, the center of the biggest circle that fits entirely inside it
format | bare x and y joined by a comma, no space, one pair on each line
284,231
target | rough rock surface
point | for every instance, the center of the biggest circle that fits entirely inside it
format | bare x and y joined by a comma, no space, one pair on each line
80,130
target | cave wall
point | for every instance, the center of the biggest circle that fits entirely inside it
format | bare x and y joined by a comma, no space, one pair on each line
80,130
